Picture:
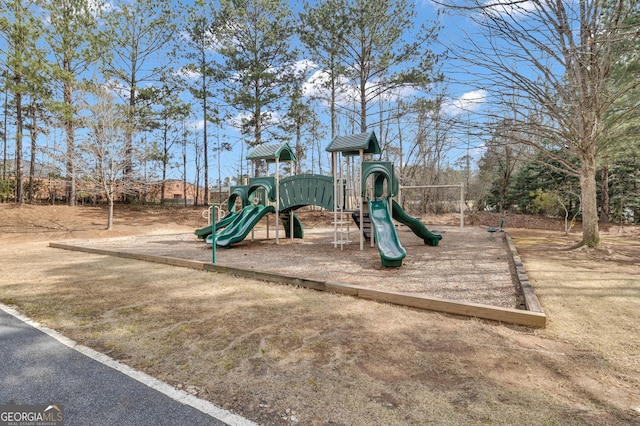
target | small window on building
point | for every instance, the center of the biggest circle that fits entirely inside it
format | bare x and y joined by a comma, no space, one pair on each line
176,196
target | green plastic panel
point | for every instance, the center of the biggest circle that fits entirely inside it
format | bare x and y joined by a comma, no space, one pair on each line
306,190
266,182
379,169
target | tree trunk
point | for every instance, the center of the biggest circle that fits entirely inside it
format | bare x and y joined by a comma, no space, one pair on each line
503,193
299,150
196,195
165,156
590,232
184,172
363,105
4,132
205,145
34,146
110,214
605,212
128,151
19,126
257,131
69,129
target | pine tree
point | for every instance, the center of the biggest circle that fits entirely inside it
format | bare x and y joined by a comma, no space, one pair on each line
255,42
200,74
138,32
376,55
75,42
623,117
322,28
25,66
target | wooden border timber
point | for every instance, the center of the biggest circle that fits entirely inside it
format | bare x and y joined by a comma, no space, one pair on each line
173,261
532,317
530,299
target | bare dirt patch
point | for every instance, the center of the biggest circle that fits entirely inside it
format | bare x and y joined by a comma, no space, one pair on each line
283,355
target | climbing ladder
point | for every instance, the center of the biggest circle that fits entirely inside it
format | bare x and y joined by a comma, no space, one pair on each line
341,230
341,220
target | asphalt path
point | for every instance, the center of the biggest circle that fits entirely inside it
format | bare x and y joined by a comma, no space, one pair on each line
40,366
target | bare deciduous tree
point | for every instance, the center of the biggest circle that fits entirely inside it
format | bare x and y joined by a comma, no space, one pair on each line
553,59
102,154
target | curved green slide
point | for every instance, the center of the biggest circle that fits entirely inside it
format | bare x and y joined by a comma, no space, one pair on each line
203,233
415,225
244,221
298,231
389,247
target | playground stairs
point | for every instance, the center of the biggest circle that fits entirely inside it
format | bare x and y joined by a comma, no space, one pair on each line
366,223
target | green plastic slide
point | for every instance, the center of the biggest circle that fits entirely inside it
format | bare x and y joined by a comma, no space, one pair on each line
389,247
244,222
203,233
298,231
415,225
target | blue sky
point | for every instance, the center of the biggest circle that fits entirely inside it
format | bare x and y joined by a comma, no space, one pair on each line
465,96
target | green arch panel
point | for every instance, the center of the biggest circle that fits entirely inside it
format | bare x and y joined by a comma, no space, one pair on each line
306,190
266,182
242,192
379,168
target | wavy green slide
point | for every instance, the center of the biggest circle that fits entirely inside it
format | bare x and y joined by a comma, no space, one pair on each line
415,225
244,222
203,233
389,247
298,231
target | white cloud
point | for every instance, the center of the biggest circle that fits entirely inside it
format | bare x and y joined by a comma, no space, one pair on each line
105,7
468,102
400,92
314,86
211,42
317,86
187,74
304,66
270,118
195,124
514,9
116,88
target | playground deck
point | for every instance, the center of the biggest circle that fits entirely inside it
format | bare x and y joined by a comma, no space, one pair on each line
467,267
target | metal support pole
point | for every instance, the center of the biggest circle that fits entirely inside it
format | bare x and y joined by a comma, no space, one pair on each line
336,194
213,235
362,205
277,201
291,213
461,205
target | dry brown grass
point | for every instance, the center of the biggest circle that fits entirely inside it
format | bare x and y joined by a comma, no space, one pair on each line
283,355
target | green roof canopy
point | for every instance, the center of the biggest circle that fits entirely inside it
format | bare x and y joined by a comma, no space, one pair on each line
351,145
271,152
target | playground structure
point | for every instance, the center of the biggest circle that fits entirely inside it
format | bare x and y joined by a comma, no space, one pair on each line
358,190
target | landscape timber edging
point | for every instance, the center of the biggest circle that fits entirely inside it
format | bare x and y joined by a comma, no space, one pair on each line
530,299
530,317
173,261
